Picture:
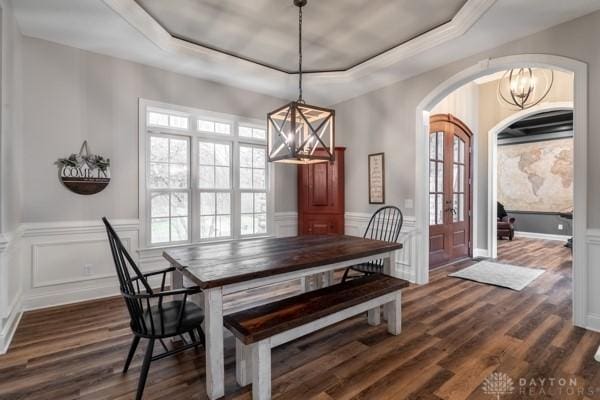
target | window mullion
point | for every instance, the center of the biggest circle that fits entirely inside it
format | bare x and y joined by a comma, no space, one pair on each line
235,190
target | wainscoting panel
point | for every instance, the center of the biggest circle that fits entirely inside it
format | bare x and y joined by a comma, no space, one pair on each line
67,262
11,291
356,223
285,224
78,260
70,261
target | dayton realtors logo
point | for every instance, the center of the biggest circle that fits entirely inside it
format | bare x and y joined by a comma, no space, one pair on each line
498,384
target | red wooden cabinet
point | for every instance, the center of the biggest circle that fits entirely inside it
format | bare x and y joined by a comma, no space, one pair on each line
321,196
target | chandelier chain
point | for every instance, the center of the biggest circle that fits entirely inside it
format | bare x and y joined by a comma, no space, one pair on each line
300,99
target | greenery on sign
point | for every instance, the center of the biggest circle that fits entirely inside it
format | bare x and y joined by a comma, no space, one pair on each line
93,161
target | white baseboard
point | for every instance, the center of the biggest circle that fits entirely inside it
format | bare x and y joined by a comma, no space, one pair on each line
485,253
63,294
542,236
593,322
10,324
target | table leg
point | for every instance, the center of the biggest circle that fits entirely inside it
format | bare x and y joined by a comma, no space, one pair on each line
389,268
215,365
389,265
176,279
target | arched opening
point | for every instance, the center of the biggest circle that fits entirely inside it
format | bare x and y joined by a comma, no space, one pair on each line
478,70
493,162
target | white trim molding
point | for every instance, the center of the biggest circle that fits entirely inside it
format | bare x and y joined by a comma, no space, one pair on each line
542,236
593,253
481,253
582,270
69,261
253,76
356,223
11,291
285,224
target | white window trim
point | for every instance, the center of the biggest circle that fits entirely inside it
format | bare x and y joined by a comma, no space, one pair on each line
193,202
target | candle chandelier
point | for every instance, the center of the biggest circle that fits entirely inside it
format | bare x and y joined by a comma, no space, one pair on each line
299,133
523,88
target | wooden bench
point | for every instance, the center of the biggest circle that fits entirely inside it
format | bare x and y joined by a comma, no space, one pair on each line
259,329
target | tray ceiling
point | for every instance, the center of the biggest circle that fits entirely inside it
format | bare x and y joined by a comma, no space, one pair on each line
123,29
337,34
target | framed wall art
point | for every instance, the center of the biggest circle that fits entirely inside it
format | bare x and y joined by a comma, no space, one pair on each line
376,178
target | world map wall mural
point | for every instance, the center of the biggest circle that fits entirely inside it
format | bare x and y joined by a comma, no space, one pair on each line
536,176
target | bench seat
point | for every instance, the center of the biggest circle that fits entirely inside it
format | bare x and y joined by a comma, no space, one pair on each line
259,329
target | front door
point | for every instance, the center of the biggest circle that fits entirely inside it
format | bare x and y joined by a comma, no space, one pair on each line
449,190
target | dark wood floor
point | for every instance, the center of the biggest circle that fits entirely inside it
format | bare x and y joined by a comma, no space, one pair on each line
456,333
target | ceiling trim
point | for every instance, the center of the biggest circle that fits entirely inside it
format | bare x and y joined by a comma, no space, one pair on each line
285,70
135,15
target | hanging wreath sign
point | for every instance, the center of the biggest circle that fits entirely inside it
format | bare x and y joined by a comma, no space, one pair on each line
84,173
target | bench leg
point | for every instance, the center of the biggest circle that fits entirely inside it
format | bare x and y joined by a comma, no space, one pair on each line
261,370
374,316
243,364
394,315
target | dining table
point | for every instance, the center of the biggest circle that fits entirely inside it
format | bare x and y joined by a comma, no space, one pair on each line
230,267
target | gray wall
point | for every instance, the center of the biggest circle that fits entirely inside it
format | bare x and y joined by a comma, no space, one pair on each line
72,95
384,120
541,223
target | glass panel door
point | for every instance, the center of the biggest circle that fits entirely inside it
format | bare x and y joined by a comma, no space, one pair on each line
458,180
436,178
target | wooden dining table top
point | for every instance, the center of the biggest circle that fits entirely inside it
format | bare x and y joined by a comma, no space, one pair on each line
219,264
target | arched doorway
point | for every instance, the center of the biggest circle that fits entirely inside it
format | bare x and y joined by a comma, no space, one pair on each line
493,163
486,67
450,190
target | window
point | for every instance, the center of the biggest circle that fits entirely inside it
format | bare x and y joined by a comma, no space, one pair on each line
214,183
168,186
208,180
249,132
167,120
253,167
222,128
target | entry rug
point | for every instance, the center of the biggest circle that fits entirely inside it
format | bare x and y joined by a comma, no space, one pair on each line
505,275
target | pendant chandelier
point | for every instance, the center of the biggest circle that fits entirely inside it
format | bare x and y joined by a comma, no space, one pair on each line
299,133
523,88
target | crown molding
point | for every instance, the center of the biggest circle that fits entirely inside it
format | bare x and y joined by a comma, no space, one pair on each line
144,23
